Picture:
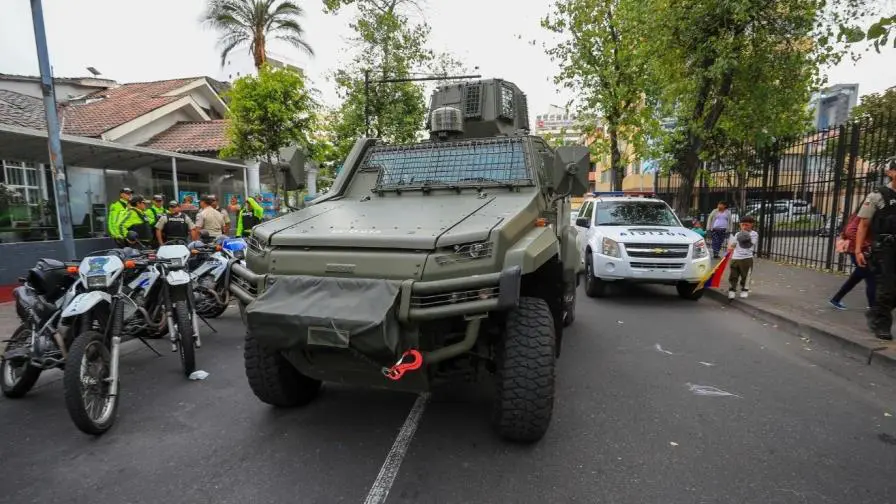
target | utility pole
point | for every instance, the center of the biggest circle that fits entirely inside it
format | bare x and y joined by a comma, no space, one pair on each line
368,82
57,165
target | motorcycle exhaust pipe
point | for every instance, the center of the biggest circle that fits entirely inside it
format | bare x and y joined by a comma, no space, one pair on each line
60,342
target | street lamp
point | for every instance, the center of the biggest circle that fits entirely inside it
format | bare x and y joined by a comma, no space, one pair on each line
368,82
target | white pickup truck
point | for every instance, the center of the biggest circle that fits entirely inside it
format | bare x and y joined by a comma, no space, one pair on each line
638,239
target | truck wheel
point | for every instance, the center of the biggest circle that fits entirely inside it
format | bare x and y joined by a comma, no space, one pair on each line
274,380
524,399
594,287
686,291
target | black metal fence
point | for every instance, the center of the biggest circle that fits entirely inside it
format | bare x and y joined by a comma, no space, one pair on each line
801,191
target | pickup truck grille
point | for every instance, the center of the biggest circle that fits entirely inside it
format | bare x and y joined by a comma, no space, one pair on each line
448,298
657,250
652,265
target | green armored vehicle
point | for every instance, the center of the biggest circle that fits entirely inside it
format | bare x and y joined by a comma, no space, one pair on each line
425,263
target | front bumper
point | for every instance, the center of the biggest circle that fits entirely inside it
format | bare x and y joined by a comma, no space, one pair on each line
419,301
651,270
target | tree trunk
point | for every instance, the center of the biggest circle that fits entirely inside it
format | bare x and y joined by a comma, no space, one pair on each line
616,168
689,165
260,53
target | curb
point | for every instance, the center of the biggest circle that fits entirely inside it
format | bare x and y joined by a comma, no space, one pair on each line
869,349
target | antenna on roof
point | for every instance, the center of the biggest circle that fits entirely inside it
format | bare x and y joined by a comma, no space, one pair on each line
94,71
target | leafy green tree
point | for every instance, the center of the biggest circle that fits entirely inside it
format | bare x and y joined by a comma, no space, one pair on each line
389,45
253,23
850,24
876,117
267,113
727,73
600,63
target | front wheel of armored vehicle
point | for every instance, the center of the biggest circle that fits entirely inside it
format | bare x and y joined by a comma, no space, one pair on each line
688,291
524,399
274,380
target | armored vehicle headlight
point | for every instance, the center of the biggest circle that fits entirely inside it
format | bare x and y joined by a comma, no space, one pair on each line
610,248
465,252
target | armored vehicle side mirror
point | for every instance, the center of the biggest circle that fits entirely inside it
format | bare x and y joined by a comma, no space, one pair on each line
570,170
583,222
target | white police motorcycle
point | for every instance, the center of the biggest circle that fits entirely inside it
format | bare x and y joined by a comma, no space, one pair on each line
91,378
211,277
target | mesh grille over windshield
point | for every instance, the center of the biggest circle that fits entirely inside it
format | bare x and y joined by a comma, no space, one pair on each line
499,161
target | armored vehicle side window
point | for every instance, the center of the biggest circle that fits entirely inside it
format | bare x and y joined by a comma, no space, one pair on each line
499,161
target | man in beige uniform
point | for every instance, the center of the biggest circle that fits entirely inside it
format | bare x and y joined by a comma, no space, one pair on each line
214,200
877,219
209,218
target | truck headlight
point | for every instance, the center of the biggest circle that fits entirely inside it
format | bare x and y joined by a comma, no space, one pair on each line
700,250
610,248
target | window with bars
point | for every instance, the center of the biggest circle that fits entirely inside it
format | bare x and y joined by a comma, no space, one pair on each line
471,163
24,179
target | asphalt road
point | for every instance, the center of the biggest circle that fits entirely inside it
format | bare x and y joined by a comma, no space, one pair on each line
803,426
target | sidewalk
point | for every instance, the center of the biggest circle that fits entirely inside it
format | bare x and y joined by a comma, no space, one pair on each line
796,300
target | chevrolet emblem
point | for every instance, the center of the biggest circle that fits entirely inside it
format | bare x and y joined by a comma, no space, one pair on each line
659,251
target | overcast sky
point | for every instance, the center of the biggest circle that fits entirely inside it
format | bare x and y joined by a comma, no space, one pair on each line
143,40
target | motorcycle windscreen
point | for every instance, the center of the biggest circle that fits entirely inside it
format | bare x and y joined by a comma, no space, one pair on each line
298,312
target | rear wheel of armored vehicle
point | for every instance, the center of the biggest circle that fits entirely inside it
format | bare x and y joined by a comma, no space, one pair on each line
594,287
686,291
524,398
17,378
274,380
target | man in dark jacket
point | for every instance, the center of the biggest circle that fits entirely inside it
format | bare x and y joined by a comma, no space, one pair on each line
877,219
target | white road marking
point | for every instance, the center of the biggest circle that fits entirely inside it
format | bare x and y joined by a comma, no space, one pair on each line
708,390
380,489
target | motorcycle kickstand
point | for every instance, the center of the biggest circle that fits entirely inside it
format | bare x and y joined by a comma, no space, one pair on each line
146,343
206,323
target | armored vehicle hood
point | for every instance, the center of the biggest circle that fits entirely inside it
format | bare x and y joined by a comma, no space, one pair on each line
409,221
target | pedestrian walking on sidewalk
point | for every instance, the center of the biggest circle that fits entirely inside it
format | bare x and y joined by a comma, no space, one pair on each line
859,273
720,225
743,245
877,220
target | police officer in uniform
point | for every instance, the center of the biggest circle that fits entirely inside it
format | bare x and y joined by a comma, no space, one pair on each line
877,219
135,219
175,225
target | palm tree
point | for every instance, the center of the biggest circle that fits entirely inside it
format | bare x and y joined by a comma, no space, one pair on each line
252,22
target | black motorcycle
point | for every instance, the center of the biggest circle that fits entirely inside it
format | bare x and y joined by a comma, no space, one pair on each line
42,340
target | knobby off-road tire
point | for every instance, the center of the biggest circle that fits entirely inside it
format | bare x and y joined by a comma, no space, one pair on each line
186,346
274,380
16,381
87,344
524,398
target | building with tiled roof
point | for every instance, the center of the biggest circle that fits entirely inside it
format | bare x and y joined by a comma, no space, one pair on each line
194,137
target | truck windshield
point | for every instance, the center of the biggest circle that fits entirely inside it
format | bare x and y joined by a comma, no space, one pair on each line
499,161
635,213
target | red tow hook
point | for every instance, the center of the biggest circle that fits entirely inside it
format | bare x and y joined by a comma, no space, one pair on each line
409,361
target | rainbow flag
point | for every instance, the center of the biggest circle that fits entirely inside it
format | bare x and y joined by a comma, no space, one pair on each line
714,278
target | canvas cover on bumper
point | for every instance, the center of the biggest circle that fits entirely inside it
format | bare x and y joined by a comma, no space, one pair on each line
305,311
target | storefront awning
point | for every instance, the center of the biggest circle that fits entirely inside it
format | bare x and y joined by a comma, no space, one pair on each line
26,144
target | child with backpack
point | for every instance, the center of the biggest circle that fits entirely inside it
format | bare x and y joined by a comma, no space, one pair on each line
743,245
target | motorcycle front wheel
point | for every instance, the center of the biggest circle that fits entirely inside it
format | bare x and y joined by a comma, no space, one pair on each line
86,384
17,378
184,320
